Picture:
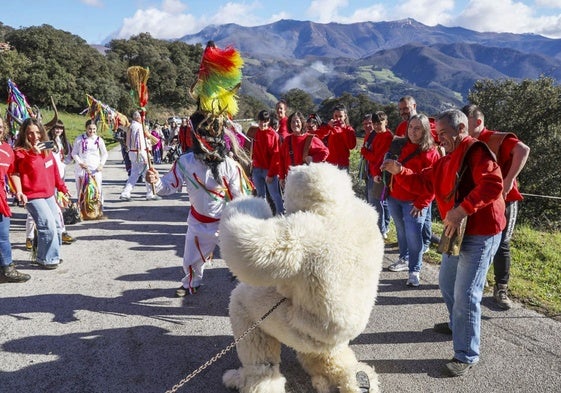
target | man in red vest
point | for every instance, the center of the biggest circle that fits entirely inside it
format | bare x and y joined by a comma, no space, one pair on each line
511,155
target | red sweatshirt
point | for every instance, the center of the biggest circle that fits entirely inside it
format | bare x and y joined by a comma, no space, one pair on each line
417,163
6,166
375,155
266,151
340,141
295,143
283,128
480,192
38,173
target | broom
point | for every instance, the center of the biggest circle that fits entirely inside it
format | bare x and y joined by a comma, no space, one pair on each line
138,76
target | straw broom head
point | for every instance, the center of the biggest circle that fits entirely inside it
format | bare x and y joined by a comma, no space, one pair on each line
138,77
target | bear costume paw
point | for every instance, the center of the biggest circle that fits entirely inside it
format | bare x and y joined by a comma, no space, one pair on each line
255,379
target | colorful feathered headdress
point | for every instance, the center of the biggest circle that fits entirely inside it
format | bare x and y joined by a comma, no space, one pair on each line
218,80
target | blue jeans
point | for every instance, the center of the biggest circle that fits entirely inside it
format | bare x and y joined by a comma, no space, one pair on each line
461,281
409,231
258,176
5,246
381,207
49,229
427,228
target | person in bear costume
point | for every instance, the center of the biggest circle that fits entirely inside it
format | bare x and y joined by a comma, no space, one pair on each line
324,256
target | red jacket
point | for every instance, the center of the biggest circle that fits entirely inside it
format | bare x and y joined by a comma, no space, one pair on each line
283,128
295,144
418,162
479,193
6,166
401,129
504,159
340,141
266,151
38,173
375,155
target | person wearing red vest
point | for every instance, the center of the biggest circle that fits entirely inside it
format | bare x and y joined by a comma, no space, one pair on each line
468,186
511,155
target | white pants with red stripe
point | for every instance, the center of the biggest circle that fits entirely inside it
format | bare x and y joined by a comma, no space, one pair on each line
200,241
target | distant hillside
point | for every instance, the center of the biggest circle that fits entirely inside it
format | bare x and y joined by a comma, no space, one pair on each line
384,60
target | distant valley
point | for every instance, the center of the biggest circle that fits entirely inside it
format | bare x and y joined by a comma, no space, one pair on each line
385,60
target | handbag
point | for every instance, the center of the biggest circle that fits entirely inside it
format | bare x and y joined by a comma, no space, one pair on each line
71,215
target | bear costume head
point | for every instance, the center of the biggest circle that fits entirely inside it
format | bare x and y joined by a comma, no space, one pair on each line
324,256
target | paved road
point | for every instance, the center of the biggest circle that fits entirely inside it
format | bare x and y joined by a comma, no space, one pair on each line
107,321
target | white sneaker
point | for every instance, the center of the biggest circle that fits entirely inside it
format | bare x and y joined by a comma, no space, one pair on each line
413,280
125,197
153,197
400,266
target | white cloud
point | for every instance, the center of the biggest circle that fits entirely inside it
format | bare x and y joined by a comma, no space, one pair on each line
507,16
173,6
325,11
158,23
170,22
93,3
549,3
428,12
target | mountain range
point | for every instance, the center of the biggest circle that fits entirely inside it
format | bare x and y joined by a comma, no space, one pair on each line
384,60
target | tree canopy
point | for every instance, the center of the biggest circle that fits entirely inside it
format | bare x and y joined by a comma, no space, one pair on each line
530,109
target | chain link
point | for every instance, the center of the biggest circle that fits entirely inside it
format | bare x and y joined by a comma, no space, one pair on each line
178,385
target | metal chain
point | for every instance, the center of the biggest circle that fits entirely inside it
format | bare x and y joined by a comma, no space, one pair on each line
225,350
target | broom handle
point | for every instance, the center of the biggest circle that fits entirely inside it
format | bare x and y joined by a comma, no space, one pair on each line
148,152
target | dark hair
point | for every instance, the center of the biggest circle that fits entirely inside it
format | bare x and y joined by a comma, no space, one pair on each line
274,122
21,140
472,110
292,116
90,121
63,139
340,108
379,117
314,118
264,116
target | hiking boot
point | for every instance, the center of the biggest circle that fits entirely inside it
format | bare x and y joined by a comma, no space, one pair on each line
400,266
455,368
182,291
413,280
10,274
501,296
66,238
442,328
363,382
28,244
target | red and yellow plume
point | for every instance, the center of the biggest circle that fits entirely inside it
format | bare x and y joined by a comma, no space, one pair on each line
218,80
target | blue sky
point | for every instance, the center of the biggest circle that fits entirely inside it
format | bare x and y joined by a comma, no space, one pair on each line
97,21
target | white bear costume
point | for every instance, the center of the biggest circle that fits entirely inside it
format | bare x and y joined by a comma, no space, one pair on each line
324,256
